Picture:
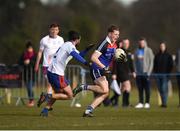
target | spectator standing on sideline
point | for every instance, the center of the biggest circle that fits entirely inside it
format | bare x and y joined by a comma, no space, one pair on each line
48,47
122,73
144,58
27,60
177,61
163,64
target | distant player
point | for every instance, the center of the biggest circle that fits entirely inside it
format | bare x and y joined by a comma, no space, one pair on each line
48,47
56,71
101,59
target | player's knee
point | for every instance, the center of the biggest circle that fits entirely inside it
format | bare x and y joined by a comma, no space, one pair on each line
106,90
70,96
127,88
106,95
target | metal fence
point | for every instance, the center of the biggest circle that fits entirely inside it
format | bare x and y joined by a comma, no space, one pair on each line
74,73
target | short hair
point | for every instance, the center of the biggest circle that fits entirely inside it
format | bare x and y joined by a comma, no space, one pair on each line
112,28
163,42
125,38
141,38
54,25
73,35
29,44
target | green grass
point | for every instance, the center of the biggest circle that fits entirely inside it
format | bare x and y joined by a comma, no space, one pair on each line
65,117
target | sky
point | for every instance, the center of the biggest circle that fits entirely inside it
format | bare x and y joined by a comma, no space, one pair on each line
127,2
124,2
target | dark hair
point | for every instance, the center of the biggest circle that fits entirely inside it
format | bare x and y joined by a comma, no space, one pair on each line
112,28
163,42
73,35
54,25
141,38
29,44
125,38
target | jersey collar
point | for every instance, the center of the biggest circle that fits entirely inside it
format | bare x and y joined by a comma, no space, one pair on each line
108,39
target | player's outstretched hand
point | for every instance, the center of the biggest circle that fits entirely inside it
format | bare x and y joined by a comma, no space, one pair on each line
88,64
106,71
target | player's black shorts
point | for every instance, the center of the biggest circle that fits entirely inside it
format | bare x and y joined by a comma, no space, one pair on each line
95,73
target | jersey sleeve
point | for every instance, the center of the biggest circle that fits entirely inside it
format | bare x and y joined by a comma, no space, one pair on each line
70,48
42,46
102,46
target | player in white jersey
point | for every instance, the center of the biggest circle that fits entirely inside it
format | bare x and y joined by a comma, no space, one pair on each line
56,71
48,47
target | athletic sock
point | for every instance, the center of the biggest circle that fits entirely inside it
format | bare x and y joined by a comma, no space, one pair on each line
124,99
49,91
48,97
85,87
127,98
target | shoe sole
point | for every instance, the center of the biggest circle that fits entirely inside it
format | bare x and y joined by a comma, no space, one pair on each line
43,115
87,115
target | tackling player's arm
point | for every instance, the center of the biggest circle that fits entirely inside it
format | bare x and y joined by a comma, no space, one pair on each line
79,58
86,50
39,55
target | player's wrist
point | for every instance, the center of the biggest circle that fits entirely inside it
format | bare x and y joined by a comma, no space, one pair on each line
105,68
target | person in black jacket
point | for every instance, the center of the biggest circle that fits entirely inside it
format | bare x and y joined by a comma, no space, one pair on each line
163,64
27,60
122,72
177,63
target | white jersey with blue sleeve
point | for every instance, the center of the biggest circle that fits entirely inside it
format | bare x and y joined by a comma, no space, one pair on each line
61,58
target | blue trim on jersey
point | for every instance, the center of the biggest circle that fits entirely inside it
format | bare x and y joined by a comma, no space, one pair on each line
78,57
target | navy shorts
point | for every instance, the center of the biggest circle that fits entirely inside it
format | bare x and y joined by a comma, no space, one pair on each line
96,73
57,82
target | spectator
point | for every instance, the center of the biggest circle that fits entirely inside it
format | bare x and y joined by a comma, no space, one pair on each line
178,71
144,65
28,61
122,73
163,64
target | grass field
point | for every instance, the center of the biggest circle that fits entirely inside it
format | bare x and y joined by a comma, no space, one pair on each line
64,117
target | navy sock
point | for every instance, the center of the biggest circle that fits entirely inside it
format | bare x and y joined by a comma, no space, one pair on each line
85,87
